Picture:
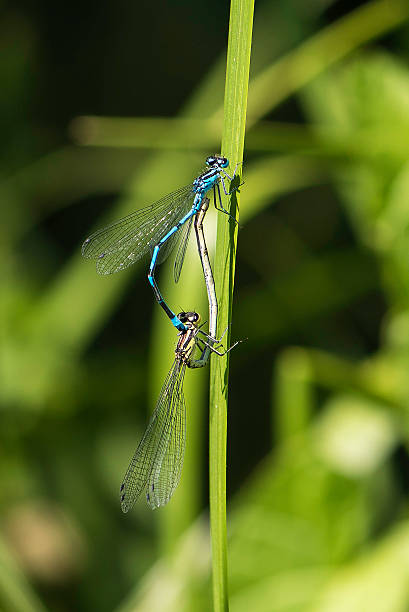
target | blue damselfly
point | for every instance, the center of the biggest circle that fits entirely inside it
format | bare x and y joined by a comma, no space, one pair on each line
156,229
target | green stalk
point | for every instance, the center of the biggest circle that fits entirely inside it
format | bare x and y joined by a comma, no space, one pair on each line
235,107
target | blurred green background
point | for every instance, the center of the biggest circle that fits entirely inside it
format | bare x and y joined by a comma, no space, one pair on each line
107,107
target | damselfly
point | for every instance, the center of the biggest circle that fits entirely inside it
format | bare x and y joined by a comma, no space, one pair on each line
156,228
157,463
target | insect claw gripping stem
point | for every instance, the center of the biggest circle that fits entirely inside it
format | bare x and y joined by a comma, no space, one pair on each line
221,207
215,343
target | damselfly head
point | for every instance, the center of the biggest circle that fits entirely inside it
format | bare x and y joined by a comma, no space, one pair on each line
189,317
217,160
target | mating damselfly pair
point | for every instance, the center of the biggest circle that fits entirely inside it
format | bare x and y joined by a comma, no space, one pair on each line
157,462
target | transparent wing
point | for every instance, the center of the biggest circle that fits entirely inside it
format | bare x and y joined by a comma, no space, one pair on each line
120,260
181,252
167,470
123,242
157,462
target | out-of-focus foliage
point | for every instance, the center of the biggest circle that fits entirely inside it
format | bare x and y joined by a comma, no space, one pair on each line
319,393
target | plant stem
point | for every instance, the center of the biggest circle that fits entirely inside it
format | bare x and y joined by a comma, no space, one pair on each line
235,105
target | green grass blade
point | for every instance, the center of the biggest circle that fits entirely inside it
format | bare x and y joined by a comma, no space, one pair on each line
235,106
